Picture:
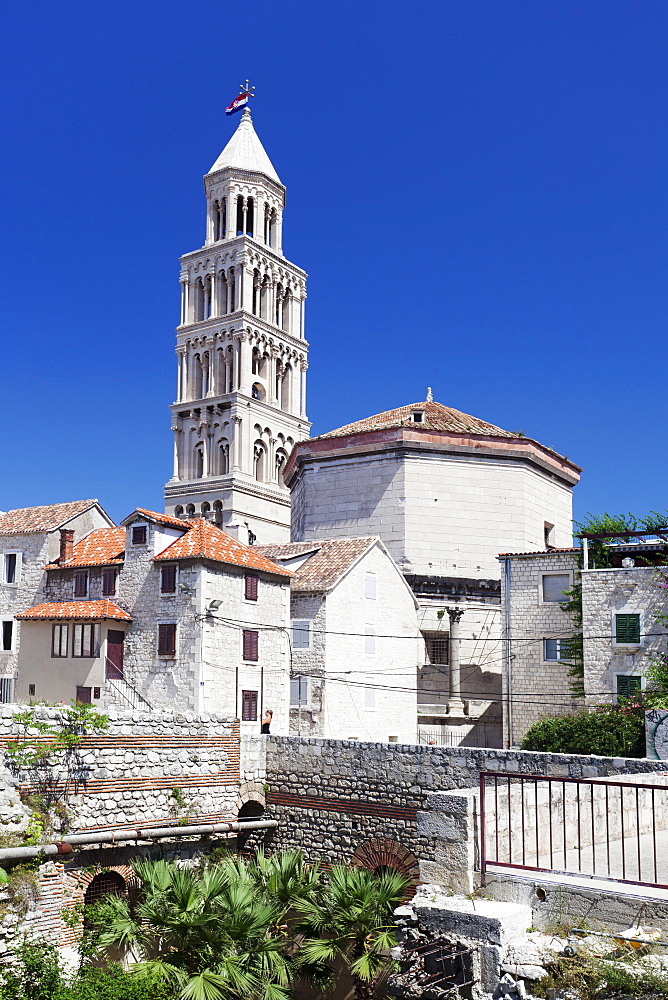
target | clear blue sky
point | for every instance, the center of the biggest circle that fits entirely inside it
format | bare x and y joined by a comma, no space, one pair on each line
477,190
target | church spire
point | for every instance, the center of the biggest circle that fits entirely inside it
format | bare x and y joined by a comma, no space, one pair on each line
245,152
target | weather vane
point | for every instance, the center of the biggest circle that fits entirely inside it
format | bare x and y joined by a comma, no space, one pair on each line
241,100
245,88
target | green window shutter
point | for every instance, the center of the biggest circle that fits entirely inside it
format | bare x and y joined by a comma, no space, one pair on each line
627,685
627,630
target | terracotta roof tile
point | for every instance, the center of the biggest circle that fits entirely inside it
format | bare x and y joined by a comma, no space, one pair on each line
205,540
166,519
539,552
79,610
437,417
102,547
33,520
323,570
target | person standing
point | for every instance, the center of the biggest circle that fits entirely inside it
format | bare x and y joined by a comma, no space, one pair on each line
266,722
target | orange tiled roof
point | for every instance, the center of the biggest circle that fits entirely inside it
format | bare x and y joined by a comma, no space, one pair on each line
33,520
205,540
330,560
437,417
81,610
538,552
166,519
102,547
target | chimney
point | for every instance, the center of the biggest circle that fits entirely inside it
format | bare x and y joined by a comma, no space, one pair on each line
66,544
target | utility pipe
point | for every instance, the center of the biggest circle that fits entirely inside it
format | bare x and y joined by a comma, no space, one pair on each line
117,836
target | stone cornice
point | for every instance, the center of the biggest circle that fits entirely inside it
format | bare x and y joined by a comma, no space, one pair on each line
183,488
410,439
424,585
227,401
235,322
243,243
243,176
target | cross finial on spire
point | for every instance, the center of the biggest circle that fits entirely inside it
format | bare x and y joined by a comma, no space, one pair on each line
245,88
430,395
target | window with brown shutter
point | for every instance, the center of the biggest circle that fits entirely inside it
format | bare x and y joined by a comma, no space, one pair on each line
139,535
250,587
249,706
108,582
81,583
250,644
168,579
167,640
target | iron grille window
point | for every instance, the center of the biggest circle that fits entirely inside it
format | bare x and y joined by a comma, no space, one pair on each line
59,640
168,579
627,630
250,587
250,644
139,534
167,640
81,583
6,690
83,641
249,706
628,685
6,636
108,582
437,647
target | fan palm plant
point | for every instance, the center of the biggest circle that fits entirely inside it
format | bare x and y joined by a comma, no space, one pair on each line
352,918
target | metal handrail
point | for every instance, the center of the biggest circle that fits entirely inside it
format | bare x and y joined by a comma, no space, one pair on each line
124,684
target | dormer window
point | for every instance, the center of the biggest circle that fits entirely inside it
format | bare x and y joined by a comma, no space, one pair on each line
418,416
139,534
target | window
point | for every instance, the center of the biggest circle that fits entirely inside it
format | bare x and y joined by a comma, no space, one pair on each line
12,567
369,639
249,706
59,640
139,534
168,579
6,636
31,690
370,693
548,534
81,583
556,649
301,635
250,644
628,685
298,691
108,582
553,587
370,588
250,587
418,417
83,640
627,630
167,640
7,690
437,647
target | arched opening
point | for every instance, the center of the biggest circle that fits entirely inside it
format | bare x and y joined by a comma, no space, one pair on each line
240,215
264,298
229,370
224,294
105,884
190,509
198,463
387,855
178,511
257,391
218,511
196,378
205,508
256,292
256,361
278,311
260,462
222,218
250,216
223,460
272,228
285,311
249,811
233,289
200,300
286,388
281,459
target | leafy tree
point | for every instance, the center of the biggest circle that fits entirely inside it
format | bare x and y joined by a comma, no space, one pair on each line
36,975
352,918
607,730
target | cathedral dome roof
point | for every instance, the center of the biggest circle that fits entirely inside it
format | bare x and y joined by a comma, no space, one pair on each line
244,151
429,416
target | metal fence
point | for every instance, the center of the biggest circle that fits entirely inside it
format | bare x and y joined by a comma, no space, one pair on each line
613,831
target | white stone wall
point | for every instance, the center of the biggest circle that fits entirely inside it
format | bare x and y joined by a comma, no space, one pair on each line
310,721
537,687
606,592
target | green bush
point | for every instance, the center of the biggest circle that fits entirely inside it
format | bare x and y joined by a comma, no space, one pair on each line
608,730
113,983
36,976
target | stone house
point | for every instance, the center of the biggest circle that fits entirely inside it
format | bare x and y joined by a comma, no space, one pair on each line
31,537
619,628
446,492
355,641
161,613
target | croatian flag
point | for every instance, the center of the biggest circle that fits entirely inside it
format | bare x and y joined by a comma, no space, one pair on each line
237,104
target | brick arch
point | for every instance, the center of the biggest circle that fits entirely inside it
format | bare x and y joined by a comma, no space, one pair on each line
251,791
384,853
84,878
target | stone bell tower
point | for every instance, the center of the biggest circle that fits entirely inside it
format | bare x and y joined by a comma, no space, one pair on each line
242,354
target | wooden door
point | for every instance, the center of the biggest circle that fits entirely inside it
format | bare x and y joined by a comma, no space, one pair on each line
114,664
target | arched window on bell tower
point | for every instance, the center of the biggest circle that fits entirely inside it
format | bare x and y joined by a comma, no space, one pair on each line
250,216
240,215
198,461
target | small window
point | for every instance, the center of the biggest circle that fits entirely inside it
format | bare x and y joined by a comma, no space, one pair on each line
83,641
370,588
31,690
555,650
301,634
168,579
370,693
59,640
81,583
7,636
548,534
139,534
418,417
437,647
298,691
96,692
11,567
7,690
369,639
554,585
108,583
627,630
250,644
627,685
249,706
167,640
250,587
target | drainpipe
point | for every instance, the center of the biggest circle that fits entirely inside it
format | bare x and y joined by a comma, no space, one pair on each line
508,665
118,836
